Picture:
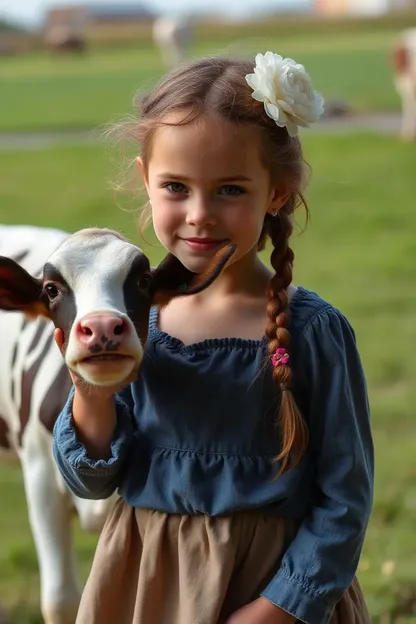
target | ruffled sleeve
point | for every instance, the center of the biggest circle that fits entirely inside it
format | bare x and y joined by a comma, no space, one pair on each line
321,562
86,477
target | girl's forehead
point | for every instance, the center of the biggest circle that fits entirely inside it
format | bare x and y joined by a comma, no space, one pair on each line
207,125
206,138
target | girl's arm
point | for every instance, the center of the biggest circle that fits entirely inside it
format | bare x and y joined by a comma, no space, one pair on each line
321,562
95,421
92,435
91,440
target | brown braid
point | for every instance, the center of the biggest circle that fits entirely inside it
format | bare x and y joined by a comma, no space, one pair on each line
293,429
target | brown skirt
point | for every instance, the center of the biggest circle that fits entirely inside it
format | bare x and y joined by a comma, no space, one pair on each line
157,568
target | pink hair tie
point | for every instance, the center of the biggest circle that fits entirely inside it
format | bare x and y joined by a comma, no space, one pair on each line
280,357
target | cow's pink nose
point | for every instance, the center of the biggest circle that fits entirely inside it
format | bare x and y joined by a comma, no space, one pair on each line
100,328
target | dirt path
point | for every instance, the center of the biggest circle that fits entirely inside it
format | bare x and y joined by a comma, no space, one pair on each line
386,123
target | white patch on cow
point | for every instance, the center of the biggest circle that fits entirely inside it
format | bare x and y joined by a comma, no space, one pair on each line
25,360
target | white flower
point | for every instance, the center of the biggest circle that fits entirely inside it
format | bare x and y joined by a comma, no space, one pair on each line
286,90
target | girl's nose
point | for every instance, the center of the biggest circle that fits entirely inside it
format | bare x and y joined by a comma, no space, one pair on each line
200,212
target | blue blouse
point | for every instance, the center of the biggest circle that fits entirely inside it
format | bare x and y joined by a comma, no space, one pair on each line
197,431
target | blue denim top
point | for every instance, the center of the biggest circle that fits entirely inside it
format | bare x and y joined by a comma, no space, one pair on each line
197,433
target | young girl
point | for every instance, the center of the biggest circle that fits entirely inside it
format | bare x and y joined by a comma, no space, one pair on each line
243,453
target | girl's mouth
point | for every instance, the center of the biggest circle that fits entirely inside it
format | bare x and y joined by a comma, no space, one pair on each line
204,244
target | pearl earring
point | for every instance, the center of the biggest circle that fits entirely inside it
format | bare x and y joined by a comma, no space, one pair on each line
274,213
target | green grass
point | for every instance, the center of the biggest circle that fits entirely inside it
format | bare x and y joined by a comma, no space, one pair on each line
359,251
19,581
41,92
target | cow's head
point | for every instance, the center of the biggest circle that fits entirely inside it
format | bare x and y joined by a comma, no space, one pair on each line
98,288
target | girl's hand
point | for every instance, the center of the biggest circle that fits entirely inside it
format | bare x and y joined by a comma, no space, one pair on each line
261,611
87,391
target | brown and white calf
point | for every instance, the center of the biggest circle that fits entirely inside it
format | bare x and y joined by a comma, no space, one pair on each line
98,288
404,67
34,384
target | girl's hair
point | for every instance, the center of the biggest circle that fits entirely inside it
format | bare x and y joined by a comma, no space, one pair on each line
218,86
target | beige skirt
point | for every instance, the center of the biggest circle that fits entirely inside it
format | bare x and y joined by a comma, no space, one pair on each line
157,568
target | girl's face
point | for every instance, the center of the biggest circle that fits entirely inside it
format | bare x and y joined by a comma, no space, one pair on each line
207,186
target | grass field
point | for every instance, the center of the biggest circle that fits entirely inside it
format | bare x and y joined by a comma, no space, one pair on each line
358,251
41,92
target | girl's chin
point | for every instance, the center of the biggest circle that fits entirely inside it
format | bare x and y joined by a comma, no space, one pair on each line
194,265
195,262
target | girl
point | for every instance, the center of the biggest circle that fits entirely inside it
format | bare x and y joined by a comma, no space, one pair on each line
242,454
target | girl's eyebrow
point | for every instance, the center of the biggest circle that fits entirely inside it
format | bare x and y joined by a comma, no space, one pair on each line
230,178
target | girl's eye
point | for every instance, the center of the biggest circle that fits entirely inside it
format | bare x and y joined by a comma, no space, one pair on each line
175,187
232,190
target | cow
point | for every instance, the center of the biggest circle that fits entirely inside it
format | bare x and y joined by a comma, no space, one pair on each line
34,385
172,36
98,288
404,67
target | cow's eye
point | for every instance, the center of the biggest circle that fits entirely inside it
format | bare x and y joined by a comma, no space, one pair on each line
144,282
52,291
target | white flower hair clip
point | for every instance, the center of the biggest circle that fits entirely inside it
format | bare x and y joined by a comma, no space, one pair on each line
286,90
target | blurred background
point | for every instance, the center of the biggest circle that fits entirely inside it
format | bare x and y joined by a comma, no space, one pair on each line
65,70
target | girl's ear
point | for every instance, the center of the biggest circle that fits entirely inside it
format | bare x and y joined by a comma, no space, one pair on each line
140,164
277,201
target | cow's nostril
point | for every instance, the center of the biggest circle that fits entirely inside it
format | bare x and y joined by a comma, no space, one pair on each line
102,327
119,329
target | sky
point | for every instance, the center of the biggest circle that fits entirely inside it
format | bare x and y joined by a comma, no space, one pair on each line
31,12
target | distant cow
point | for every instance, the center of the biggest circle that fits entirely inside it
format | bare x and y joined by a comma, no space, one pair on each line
99,289
404,64
172,36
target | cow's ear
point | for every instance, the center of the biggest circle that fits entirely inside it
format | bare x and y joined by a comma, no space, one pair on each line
20,291
172,279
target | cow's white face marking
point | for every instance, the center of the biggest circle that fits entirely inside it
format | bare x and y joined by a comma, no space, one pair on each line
93,281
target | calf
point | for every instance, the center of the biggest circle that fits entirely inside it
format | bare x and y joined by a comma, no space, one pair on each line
404,67
98,288
34,384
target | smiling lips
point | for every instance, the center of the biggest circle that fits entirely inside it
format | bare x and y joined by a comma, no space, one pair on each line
203,244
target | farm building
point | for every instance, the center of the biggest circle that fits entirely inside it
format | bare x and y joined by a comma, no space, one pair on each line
96,20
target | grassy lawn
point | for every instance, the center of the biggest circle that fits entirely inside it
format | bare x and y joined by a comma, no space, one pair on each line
41,92
359,252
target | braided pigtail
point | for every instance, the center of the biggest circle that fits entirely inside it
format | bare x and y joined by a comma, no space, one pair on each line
293,429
